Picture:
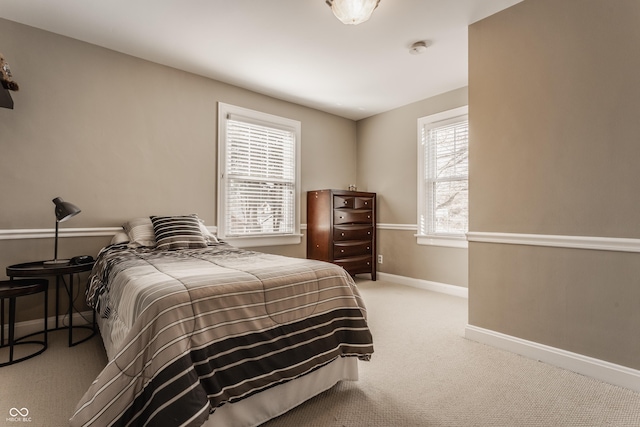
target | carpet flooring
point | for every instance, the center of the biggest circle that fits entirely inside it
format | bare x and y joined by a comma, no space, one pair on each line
423,373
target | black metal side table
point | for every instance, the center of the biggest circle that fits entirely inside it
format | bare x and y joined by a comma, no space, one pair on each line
44,269
11,290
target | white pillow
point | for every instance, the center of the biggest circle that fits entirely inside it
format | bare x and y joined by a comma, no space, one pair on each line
119,237
208,236
140,232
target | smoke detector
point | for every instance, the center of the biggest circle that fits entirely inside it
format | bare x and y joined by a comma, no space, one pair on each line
419,47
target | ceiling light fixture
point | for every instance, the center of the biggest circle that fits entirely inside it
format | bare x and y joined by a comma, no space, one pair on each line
353,12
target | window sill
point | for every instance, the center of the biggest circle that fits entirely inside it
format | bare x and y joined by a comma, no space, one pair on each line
445,241
254,241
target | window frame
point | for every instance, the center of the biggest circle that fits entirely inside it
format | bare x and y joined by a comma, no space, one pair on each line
263,119
423,237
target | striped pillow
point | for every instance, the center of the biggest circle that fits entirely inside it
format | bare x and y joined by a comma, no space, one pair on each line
140,232
177,232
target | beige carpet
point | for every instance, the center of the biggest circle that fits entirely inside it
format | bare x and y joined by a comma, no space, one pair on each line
423,373
50,384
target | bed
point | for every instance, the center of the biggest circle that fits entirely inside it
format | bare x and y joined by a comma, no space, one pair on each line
198,332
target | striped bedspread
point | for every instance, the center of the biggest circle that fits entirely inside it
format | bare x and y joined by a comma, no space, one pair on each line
193,329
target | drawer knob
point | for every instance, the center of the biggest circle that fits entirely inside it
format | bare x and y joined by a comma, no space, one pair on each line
368,216
369,233
342,234
342,250
345,202
368,248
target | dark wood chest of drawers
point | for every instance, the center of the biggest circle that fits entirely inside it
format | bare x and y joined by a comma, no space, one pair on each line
341,228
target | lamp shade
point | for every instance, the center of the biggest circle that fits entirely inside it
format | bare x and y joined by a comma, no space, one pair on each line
353,12
64,210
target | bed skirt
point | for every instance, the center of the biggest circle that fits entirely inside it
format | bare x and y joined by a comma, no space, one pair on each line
268,404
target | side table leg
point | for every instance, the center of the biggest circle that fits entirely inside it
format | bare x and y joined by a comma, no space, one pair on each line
46,315
57,300
12,326
71,310
2,321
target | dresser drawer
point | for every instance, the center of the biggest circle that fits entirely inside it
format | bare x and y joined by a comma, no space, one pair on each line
343,202
349,249
352,217
352,232
352,202
363,203
356,264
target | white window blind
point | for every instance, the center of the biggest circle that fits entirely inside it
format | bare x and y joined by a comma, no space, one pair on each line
444,177
259,175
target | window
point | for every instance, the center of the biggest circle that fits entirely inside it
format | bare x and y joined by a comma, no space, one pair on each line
259,174
443,183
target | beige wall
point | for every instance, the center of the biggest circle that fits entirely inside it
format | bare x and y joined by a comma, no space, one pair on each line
122,137
553,104
388,165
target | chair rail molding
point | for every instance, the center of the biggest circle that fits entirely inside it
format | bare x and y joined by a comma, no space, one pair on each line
404,227
560,241
49,233
46,233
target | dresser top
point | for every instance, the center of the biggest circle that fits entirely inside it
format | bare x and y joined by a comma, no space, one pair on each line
346,193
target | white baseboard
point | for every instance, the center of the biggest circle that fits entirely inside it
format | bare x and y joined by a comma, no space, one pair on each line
443,288
595,368
31,326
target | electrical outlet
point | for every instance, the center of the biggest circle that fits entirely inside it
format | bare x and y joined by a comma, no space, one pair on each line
379,259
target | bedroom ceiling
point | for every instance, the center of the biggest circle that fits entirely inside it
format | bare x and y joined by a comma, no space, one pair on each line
295,50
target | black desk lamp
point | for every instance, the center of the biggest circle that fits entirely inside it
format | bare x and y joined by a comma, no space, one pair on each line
64,211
